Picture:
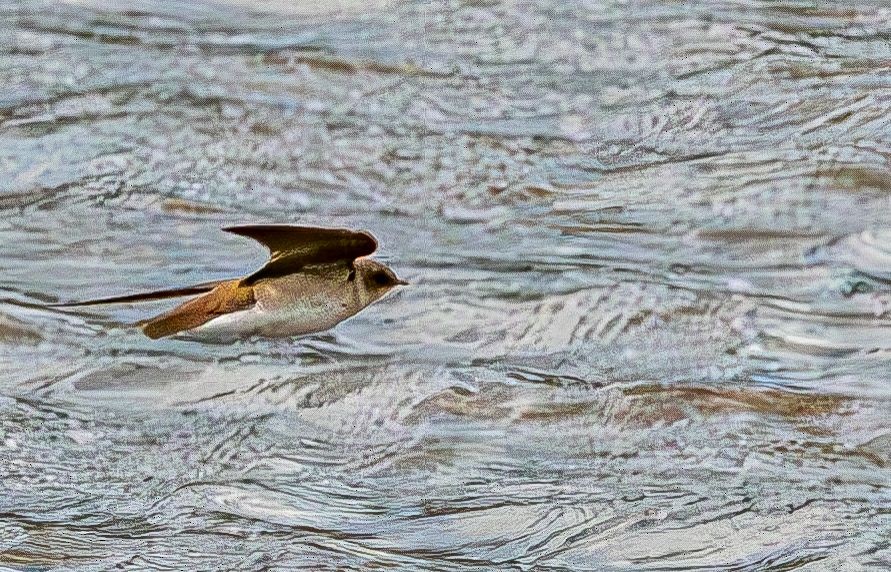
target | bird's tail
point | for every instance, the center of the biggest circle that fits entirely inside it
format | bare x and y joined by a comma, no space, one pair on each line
145,296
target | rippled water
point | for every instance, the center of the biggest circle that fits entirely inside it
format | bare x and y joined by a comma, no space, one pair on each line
650,320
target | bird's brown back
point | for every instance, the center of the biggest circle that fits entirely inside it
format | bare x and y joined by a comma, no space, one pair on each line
227,297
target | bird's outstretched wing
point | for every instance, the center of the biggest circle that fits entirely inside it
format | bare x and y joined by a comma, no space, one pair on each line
293,247
145,296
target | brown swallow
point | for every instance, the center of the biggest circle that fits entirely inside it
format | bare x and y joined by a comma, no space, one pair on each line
314,279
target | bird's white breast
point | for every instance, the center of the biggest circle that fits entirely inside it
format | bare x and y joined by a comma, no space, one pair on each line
288,306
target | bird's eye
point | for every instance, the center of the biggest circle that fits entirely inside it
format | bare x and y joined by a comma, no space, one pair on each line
380,278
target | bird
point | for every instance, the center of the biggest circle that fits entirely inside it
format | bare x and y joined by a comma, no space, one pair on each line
314,279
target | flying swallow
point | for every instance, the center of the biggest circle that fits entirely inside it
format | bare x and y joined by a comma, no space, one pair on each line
314,279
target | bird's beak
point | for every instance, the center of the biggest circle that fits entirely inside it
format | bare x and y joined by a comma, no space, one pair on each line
401,283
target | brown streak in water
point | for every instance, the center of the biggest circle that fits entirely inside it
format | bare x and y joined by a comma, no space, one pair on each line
802,72
557,411
15,331
805,11
715,400
26,558
187,206
344,66
857,177
742,234
456,402
604,228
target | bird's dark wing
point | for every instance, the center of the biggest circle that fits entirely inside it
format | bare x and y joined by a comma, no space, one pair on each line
293,247
145,296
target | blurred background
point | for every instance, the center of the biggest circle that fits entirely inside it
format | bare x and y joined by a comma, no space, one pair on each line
649,326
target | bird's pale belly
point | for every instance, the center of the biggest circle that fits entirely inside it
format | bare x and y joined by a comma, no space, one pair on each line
287,307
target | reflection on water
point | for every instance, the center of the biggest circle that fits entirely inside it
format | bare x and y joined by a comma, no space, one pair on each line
650,320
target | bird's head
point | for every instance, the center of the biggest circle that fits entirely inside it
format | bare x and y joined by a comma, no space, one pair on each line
376,279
